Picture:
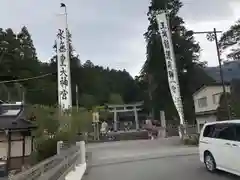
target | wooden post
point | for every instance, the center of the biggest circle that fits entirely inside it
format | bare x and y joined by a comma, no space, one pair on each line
23,149
9,151
32,141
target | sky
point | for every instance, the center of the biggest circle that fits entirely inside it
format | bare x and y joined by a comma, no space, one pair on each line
110,32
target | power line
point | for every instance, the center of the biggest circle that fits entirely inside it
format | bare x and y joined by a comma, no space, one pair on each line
27,79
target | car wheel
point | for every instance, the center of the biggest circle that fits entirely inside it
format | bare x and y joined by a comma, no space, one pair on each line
209,162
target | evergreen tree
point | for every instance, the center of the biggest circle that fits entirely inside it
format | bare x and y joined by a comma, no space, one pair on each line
222,110
231,40
30,67
186,52
115,99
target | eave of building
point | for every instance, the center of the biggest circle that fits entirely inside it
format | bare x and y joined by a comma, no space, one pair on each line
210,85
203,113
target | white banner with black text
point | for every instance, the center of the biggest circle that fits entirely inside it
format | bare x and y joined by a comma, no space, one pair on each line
63,64
170,64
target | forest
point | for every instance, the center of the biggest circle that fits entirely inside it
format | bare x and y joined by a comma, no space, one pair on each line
96,85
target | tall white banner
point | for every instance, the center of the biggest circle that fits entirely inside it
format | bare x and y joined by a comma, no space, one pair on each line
170,64
63,61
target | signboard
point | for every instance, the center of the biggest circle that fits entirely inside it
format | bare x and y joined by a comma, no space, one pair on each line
64,79
170,64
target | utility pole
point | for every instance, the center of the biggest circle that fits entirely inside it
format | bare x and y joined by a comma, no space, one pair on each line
212,36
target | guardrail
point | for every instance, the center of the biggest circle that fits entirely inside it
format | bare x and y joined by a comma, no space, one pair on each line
55,167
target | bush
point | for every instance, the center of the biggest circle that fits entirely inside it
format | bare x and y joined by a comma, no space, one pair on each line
192,139
53,128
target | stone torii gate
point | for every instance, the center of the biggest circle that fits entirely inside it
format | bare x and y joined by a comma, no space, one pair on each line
134,107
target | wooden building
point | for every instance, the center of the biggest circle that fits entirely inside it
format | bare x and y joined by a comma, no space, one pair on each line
16,140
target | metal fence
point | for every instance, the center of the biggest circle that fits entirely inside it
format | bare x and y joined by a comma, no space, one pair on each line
53,168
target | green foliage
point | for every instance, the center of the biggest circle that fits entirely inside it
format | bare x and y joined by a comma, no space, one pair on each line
81,121
88,101
233,102
192,139
222,110
104,115
46,148
115,99
3,92
230,39
53,127
46,119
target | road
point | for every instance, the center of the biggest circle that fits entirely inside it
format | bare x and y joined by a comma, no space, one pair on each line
164,159
170,168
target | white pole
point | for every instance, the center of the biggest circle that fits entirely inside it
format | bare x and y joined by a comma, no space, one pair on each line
68,58
83,152
68,100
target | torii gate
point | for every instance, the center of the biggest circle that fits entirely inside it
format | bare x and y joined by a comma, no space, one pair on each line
134,107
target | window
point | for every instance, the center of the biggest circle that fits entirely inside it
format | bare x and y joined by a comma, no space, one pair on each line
202,102
208,132
216,98
238,133
225,131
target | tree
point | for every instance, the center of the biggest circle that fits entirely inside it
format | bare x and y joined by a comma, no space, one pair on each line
187,60
30,65
17,92
9,53
81,121
3,92
115,99
222,110
230,40
88,101
46,119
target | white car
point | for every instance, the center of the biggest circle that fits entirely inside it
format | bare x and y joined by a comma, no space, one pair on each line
219,146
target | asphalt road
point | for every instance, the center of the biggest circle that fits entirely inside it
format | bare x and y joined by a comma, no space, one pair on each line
164,168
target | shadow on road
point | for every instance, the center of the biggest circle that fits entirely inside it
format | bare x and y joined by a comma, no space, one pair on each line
227,175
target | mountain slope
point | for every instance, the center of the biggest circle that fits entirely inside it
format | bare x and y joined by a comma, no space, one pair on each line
231,70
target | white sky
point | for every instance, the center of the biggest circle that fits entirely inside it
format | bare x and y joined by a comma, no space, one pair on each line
209,53
110,32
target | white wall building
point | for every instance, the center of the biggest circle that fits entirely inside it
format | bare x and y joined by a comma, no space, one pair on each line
206,101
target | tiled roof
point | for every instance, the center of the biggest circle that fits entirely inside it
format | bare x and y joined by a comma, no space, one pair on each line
231,70
15,123
11,117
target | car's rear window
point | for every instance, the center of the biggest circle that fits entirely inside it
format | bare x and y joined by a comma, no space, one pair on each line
208,131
